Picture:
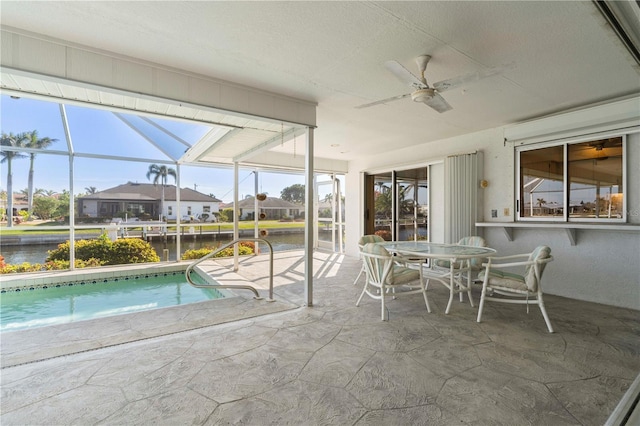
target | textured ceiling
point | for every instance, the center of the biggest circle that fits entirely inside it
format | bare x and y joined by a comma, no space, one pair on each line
333,53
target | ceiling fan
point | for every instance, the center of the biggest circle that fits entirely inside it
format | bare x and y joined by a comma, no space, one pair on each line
430,94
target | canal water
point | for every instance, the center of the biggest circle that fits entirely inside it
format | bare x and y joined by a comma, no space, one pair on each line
37,253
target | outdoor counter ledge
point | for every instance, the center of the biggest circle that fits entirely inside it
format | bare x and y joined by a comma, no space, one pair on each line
571,228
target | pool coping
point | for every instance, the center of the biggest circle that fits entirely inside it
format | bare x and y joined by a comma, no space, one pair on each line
11,282
38,344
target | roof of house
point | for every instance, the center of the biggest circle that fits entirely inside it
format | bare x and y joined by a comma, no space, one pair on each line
148,192
269,203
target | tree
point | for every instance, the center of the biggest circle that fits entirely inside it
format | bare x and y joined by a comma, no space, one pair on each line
45,207
383,201
293,193
63,204
33,141
11,141
91,189
161,174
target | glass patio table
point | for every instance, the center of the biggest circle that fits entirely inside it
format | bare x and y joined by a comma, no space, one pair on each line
458,256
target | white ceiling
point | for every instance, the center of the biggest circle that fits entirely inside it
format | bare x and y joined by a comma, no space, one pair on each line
333,53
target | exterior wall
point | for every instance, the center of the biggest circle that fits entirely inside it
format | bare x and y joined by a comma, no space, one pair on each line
89,208
197,208
603,267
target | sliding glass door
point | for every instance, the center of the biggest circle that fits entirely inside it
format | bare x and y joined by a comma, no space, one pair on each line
397,204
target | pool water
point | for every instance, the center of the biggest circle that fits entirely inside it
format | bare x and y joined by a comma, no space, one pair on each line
70,303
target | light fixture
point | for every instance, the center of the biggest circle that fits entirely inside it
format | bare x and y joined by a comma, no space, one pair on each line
422,95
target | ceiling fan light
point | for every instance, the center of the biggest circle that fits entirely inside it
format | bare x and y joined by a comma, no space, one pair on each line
422,95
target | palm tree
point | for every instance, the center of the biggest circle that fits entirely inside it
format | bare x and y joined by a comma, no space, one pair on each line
12,141
161,174
24,194
91,189
34,142
541,202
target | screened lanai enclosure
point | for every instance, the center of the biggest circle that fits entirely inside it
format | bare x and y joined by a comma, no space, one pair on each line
114,169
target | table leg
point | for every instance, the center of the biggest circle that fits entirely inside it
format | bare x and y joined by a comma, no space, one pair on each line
469,283
451,287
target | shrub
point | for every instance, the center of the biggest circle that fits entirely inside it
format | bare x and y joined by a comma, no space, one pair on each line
226,215
52,265
98,248
22,267
244,248
131,250
56,265
196,253
122,251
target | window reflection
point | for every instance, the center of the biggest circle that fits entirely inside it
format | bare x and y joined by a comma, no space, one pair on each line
595,179
541,180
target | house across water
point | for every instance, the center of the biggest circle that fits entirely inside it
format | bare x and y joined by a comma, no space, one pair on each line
144,200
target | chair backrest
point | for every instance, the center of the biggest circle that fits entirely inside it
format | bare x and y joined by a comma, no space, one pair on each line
378,263
366,239
541,256
474,241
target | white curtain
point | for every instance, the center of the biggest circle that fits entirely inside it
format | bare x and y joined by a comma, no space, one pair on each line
461,180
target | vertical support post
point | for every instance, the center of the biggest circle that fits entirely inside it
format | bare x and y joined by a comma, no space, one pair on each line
178,216
236,211
72,212
338,195
394,208
256,206
309,219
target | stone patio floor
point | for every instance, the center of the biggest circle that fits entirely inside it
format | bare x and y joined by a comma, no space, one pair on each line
255,362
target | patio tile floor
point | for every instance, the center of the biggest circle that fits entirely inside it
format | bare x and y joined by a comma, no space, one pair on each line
335,363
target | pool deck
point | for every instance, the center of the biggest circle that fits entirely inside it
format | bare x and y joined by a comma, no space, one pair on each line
333,363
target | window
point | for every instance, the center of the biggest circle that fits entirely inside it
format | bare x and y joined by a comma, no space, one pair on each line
189,210
397,204
206,209
573,181
170,210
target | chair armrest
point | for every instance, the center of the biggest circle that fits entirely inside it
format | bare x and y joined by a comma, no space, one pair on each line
508,264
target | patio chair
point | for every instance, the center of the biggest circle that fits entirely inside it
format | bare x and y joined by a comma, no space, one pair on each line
507,287
468,265
384,275
365,239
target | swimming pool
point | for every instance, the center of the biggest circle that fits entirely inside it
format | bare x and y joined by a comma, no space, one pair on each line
38,306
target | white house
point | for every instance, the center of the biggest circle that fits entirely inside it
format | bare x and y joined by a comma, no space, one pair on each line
139,199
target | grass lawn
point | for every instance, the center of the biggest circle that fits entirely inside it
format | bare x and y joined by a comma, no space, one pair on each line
224,226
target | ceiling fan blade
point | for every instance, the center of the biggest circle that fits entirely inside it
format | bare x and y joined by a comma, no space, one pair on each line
438,103
454,82
404,75
384,101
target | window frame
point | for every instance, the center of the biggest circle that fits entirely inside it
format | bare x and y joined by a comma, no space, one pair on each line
565,143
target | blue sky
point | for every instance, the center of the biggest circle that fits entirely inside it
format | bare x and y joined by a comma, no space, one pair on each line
101,132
